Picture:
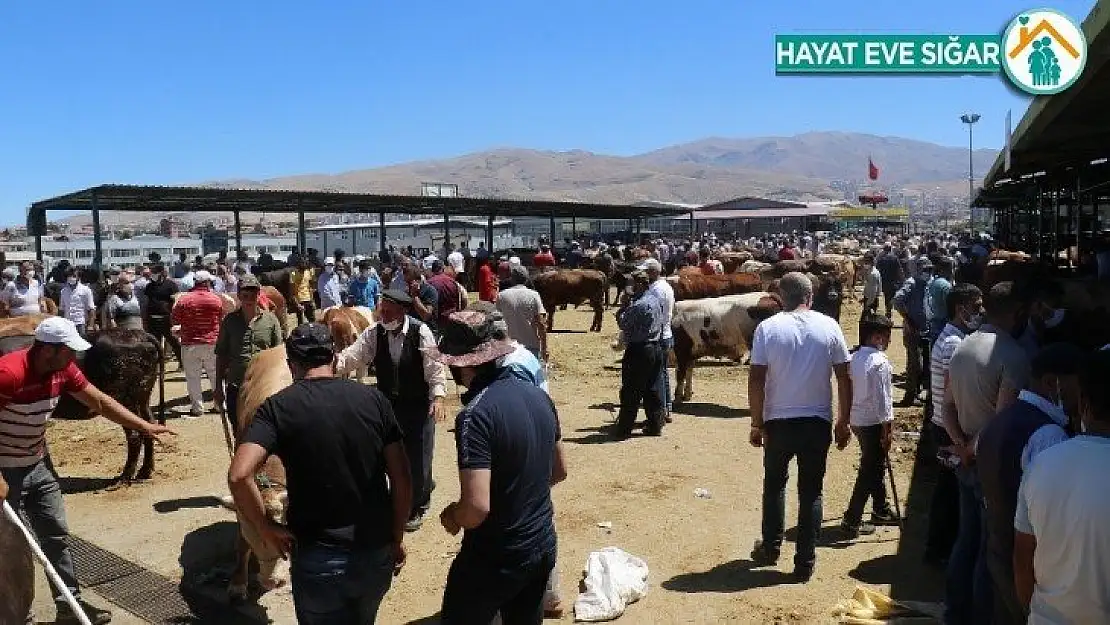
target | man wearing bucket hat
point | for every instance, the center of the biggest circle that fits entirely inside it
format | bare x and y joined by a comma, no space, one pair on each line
509,455
414,382
348,479
31,382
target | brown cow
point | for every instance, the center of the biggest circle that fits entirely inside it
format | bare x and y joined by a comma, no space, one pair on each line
845,270
573,287
346,323
267,374
17,574
278,306
700,287
717,326
732,261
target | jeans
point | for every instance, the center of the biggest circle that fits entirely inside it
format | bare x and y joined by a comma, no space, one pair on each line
665,373
968,592
944,509
160,326
478,588
419,435
36,489
808,439
339,585
198,359
1007,607
869,480
640,383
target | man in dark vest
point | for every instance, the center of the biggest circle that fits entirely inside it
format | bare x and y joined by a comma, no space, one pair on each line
1007,446
414,382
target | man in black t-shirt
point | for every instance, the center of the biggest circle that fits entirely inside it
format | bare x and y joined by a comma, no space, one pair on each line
159,294
339,441
510,455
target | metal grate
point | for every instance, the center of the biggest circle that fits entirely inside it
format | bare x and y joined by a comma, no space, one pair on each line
146,594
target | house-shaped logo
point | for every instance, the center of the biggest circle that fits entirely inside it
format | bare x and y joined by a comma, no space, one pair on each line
1044,51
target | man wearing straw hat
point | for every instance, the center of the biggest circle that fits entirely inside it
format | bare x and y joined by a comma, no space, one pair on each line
31,381
509,455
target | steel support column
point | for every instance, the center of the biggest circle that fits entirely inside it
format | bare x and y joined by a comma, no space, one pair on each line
489,235
551,237
98,247
381,231
238,233
446,230
302,235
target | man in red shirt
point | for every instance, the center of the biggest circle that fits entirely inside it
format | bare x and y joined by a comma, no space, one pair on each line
449,295
487,281
199,313
31,381
545,258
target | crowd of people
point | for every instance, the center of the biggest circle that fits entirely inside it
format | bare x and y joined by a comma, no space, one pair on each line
1013,410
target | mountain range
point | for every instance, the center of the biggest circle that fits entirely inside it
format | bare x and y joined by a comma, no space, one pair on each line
802,168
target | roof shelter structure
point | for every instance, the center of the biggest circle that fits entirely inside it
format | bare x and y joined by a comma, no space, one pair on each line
749,216
159,199
1055,194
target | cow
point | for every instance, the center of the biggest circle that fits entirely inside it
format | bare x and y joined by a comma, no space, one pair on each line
276,304
698,287
346,323
267,374
754,266
282,282
125,365
17,574
574,287
827,294
845,270
732,261
717,326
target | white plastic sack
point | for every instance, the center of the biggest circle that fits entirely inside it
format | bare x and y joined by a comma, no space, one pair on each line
614,579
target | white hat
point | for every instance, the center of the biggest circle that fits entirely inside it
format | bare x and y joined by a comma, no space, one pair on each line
650,264
202,276
60,331
329,261
514,260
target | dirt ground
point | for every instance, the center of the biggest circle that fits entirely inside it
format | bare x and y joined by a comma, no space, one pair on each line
697,548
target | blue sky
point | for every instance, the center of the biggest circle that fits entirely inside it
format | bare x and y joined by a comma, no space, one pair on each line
172,92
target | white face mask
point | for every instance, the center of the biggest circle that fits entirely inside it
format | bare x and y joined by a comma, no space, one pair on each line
72,281
392,326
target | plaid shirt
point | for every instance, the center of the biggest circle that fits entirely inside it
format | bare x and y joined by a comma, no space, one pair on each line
199,312
642,321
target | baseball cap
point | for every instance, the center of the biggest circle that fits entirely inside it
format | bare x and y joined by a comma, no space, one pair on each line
650,264
202,276
310,344
249,281
60,331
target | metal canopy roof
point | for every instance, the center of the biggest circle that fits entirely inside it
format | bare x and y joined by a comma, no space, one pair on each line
1071,127
183,199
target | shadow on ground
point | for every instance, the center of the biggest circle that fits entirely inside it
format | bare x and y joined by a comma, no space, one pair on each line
735,576
207,559
715,411
76,485
187,503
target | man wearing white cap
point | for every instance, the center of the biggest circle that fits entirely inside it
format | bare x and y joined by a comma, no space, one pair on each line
31,382
662,290
199,313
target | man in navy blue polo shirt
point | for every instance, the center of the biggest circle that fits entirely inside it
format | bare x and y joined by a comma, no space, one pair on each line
507,437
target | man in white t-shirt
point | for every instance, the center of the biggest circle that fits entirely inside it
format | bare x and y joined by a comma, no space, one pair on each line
77,303
663,290
1062,539
794,355
457,261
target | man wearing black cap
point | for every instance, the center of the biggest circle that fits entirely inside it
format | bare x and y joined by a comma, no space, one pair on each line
1007,446
339,442
509,456
414,382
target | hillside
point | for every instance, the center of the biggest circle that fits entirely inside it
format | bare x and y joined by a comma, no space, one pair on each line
797,168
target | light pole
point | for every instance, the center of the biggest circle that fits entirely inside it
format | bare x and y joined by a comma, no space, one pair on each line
970,119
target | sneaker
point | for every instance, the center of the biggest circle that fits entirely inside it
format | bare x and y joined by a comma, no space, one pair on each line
885,517
764,556
96,615
855,530
414,523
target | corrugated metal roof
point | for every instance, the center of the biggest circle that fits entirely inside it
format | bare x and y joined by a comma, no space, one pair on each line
765,213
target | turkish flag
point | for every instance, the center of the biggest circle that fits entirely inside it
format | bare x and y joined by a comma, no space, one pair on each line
872,171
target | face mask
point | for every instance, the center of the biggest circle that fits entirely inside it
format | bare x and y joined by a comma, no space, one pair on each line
28,275
391,326
72,281
975,321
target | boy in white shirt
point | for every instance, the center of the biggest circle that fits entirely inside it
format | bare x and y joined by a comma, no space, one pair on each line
872,419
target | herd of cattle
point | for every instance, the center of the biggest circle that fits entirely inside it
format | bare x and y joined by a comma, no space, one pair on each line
715,315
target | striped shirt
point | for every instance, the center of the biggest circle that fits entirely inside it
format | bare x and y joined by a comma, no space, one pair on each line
199,313
26,404
945,345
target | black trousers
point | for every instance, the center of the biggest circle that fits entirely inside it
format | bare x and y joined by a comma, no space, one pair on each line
308,315
642,383
869,480
160,327
1007,607
419,432
477,589
944,509
808,440
231,401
